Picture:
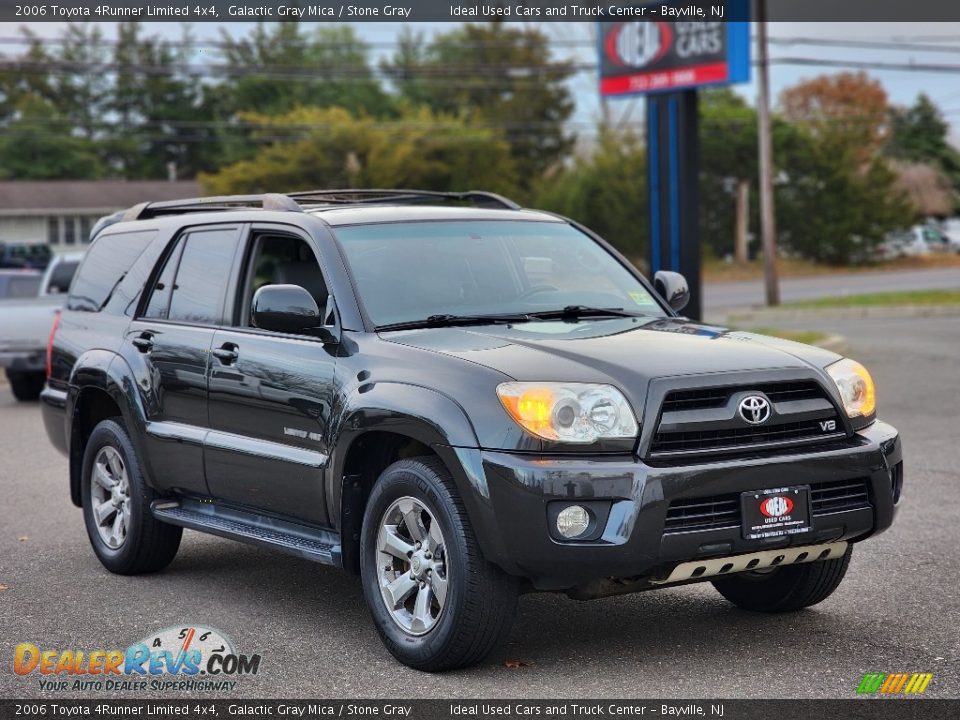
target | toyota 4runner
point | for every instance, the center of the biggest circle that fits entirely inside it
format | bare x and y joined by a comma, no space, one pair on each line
458,399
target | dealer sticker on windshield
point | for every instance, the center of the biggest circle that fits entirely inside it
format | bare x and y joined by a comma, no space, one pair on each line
780,511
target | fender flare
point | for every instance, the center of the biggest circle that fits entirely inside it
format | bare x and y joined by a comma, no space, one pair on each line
430,417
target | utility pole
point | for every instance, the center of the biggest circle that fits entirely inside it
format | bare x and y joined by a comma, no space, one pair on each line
768,226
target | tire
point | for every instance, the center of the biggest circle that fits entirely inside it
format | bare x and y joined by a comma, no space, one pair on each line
479,600
139,543
26,386
785,589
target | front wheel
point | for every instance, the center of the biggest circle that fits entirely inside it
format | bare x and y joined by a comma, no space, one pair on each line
785,589
437,603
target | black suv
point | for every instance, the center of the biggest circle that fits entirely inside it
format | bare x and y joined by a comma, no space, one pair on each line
456,398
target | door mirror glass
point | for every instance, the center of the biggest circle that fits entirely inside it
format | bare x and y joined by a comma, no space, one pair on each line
673,288
284,308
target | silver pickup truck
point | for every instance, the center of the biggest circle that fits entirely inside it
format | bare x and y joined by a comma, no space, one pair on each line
25,327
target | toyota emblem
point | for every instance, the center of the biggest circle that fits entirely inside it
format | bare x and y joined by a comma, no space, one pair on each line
755,409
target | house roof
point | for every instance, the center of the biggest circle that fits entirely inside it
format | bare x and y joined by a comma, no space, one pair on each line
57,197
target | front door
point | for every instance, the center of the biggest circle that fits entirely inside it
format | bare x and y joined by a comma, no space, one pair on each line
271,393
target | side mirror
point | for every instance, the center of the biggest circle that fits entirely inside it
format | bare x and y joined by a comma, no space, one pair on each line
285,308
673,288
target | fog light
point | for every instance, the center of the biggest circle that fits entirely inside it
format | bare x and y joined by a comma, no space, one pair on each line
573,521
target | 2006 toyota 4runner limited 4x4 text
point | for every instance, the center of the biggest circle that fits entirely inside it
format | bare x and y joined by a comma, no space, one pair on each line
458,399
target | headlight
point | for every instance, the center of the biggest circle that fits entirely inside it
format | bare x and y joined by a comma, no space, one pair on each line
569,412
856,387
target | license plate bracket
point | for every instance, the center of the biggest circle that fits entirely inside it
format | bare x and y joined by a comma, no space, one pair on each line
775,512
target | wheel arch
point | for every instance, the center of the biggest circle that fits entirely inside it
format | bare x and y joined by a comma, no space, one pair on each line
101,387
390,422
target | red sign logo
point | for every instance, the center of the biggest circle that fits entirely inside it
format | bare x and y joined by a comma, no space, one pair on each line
777,506
638,44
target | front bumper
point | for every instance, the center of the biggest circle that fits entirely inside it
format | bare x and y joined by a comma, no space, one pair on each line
631,542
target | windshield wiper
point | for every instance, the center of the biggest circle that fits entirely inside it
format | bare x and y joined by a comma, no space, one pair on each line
576,312
457,320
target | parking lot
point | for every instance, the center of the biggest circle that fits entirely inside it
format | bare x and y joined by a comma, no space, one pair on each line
897,611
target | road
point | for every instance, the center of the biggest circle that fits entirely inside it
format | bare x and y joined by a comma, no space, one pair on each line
729,295
898,610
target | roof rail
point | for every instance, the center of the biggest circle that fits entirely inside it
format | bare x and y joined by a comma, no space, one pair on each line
479,198
267,201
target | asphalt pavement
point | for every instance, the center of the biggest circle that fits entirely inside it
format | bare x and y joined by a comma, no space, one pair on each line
897,611
740,294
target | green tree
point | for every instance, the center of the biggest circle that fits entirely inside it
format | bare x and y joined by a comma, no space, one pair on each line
332,148
497,75
280,67
605,190
40,145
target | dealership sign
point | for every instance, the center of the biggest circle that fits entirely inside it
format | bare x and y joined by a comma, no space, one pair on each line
656,56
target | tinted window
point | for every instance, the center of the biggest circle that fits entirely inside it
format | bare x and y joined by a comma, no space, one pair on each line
20,287
109,259
283,260
202,276
410,271
159,304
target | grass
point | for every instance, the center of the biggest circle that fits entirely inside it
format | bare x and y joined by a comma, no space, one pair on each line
810,337
906,297
719,271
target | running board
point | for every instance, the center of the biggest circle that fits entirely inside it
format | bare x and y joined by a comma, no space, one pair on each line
764,560
311,543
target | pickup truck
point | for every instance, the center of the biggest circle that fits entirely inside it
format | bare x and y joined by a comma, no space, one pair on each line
25,327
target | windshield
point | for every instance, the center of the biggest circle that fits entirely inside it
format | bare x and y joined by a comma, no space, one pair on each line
414,270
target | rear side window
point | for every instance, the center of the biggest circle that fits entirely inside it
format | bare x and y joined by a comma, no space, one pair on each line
192,285
60,277
106,264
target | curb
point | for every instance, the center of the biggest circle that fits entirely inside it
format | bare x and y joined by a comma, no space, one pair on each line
842,313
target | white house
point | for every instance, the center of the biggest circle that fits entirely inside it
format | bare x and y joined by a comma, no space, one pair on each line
61,212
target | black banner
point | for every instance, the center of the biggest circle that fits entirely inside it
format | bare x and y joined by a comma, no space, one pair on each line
879,709
462,10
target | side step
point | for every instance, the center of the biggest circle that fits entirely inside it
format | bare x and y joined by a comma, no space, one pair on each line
752,561
311,543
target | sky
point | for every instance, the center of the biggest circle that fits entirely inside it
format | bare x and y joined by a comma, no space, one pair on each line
931,43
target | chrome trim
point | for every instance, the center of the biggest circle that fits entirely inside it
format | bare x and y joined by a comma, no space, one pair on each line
698,569
181,432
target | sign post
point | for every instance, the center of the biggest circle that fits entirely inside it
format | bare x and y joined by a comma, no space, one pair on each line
668,61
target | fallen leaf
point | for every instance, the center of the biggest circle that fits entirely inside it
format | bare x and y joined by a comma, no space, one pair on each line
4,587
514,664
23,538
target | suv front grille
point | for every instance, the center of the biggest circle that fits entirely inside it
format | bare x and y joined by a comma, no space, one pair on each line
723,511
705,420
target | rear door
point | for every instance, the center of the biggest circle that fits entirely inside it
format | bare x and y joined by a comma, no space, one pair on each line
270,393
172,336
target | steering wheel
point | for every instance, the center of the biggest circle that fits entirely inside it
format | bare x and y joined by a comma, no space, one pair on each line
536,290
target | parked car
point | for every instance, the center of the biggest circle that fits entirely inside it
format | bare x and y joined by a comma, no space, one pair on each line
25,327
951,229
458,399
918,241
25,255
19,284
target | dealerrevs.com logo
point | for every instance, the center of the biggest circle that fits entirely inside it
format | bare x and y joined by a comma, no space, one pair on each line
189,659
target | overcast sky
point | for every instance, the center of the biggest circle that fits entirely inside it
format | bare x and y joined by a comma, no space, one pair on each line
901,85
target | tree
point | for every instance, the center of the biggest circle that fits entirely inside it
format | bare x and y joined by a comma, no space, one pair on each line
606,191
279,68
332,148
920,136
497,75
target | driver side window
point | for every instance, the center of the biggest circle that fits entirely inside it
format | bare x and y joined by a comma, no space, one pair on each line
282,260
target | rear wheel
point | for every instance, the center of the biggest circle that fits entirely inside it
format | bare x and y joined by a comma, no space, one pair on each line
437,603
26,386
125,536
785,589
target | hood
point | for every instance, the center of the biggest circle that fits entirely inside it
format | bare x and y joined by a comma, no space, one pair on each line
626,352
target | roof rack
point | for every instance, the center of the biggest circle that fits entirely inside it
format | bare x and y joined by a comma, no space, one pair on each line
478,198
295,202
